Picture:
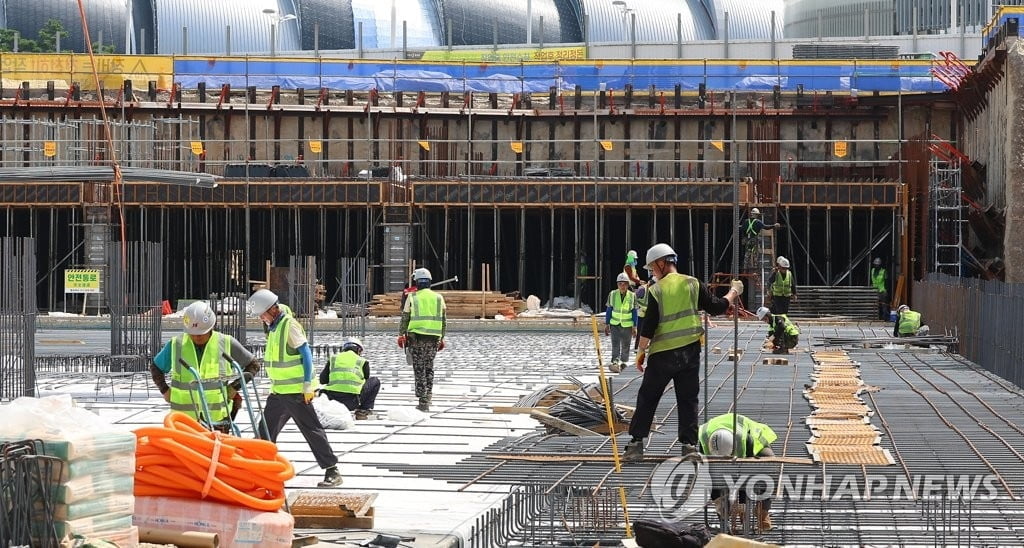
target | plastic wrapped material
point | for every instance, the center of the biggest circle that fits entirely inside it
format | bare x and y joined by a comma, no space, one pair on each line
333,415
95,526
235,525
115,504
96,446
123,463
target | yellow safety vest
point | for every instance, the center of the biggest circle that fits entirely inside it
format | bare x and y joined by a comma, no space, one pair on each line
783,284
878,279
791,328
910,322
346,375
622,308
284,365
211,365
679,323
426,315
762,435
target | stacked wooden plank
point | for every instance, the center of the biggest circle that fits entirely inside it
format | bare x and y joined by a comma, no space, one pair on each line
460,304
841,429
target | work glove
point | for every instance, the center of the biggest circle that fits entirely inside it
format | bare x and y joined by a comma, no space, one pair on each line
640,356
634,332
641,291
307,392
737,286
440,345
401,341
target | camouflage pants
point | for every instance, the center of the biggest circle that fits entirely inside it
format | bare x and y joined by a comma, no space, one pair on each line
422,349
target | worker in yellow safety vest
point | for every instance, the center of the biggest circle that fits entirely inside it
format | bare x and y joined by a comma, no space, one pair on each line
783,333
620,319
781,286
754,440
880,281
346,379
908,323
422,328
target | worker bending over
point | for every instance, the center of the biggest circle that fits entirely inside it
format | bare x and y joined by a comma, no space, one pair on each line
203,349
752,439
346,379
908,323
289,364
620,318
782,333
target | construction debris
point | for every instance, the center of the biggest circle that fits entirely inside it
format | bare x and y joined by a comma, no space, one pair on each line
458,304
575,409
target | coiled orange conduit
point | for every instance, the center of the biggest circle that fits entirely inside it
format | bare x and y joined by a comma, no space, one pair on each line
183,459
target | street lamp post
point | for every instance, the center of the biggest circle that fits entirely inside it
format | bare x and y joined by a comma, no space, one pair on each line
276,20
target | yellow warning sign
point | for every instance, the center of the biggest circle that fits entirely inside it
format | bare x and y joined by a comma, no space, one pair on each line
517,146
50,149
839,149
197,147
719,145
65,68
425,145
607,145
315,147
81,281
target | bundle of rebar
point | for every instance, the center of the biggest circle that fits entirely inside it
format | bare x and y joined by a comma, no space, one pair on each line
28,483
925,340
583,407
84,174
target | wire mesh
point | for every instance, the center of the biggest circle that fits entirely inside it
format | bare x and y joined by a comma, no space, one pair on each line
134,297
17,317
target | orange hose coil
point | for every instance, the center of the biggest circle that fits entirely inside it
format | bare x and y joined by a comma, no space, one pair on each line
183,459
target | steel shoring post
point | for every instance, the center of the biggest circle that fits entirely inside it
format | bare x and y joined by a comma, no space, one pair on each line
735,269
704,412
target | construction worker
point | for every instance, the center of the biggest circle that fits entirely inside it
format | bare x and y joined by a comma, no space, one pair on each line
422,329
750,231
781,332
346,379
630,269
781,286
908,323
880,281
717,439
203,349
670,333
289,363
620,319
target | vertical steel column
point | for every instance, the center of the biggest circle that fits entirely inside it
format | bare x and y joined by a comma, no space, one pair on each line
551,260
496,275
134,296
522,248
17,317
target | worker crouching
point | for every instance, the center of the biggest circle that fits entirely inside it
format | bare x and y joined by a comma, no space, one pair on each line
782,333
346,379
751,439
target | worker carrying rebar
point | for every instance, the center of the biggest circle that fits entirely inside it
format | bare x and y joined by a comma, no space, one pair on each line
783,334
203,349
754,440
289,363
670,333
346,379
781,286
908,323
423,329
620,319
629,268
880,281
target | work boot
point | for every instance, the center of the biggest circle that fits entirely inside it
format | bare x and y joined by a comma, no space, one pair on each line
780,351
332,478
634,451
362,414
615,366
423,406
689,451
764,521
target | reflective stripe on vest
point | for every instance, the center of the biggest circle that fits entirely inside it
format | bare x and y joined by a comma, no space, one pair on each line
878,279
184,395
761,435
751,223
679,323
790,327
783,284
346,375
910,322
425,314
622,308
284,366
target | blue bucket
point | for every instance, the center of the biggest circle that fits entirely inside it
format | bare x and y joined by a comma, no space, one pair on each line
892,316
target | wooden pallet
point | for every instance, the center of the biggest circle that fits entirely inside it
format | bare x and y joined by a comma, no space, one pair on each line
775,361
332,510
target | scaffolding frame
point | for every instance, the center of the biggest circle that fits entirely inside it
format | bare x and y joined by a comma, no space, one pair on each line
945,193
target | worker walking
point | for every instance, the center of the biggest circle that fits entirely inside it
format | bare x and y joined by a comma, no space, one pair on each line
630,269
880,281
752,439
289,363
620,318
670,333
908,323
783,333
781,286
346,379
203,349
422,329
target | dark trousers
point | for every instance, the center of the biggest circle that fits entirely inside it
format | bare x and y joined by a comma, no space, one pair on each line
363,400
680,366
423,349
780,305
883,306
281,407
759,490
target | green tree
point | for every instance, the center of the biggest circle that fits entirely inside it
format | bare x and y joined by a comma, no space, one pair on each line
24,44
49,33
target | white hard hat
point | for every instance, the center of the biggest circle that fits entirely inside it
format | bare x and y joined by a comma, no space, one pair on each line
755,211
782,262
622,277
660,251
353,343
720,443
902,308
631,253
199,318
261,301
421,274
877,262
762,312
